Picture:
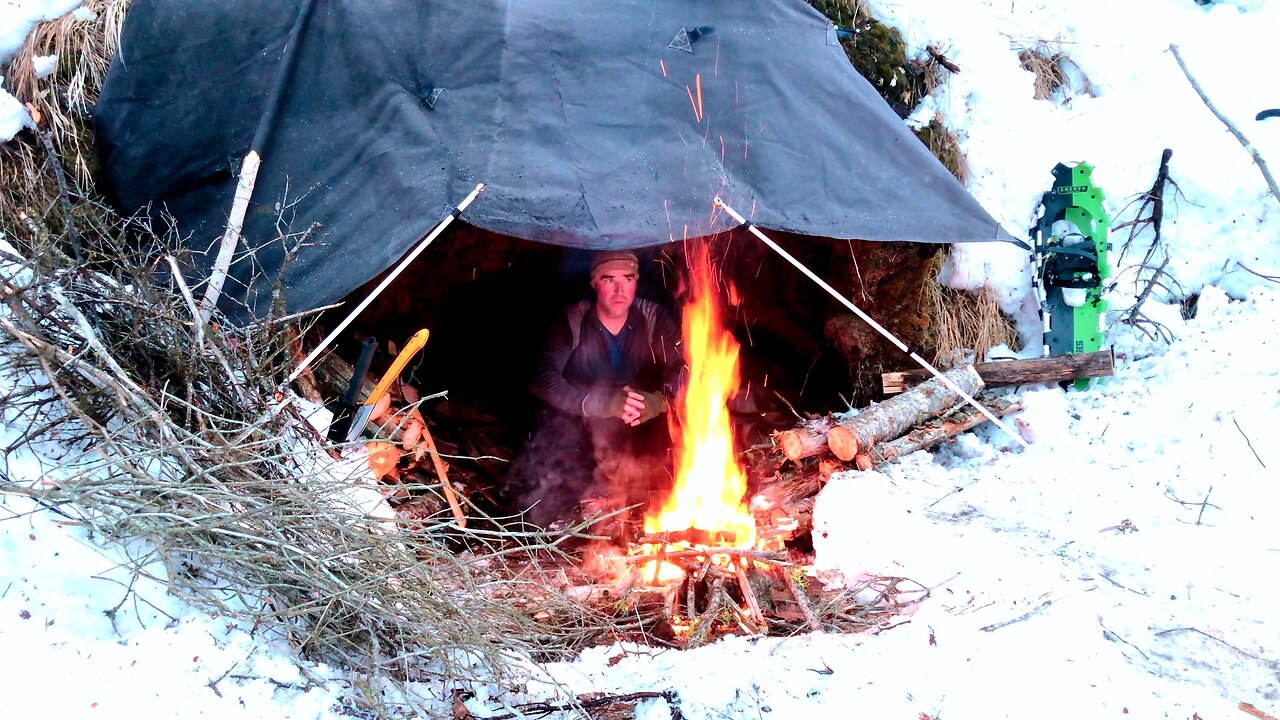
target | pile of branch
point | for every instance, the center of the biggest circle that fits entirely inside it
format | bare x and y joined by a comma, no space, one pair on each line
918,418
194,451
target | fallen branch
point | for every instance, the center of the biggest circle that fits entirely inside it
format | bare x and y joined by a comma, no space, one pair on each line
1261,715
1024,616
1248,146
587,703
802,600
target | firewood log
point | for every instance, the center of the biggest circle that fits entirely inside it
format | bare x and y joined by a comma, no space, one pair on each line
897,415
333,375
1018,372
938,431
306,382
805,440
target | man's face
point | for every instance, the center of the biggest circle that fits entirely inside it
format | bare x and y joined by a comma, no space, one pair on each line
615,291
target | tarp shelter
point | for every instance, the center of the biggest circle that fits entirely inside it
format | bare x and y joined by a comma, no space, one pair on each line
593,124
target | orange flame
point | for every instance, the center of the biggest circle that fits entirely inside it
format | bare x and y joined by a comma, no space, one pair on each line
710,482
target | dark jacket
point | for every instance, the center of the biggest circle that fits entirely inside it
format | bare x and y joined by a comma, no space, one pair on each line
576,358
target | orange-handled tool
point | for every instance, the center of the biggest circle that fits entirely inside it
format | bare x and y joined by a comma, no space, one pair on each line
410,349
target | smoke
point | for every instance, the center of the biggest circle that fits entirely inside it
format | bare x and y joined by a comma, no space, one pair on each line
569,461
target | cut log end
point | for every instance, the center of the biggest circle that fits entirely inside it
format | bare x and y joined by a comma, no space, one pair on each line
791,444
843,443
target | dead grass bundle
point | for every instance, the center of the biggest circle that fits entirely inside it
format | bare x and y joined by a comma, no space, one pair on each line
945,145
1054,70
84,43
964,323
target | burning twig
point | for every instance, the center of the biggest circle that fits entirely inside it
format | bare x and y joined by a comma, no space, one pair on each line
757,555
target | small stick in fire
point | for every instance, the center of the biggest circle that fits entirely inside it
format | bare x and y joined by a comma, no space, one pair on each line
758,556
802,599
708,616
749,594
691,596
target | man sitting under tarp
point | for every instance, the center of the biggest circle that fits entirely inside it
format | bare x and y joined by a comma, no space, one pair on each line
610,369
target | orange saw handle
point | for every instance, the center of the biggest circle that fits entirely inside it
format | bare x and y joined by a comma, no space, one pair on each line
406,354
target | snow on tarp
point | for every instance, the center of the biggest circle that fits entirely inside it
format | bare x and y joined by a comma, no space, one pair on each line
594,125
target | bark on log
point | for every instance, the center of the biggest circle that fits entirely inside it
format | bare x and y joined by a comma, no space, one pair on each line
333,375
804,441
897,415
1018,372
939,431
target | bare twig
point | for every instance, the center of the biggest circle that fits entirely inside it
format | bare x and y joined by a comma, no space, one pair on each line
1109,635
1248,146
1247,442
64,198
589,703
1272,278
1033,611
1269,663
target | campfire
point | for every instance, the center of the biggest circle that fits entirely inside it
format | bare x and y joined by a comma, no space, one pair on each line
700,551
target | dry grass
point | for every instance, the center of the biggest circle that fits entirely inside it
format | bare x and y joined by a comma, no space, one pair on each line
84,49
1050,66
945,145
965,325
29,193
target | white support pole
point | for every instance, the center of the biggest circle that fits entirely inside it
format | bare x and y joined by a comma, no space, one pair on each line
868,319
439,228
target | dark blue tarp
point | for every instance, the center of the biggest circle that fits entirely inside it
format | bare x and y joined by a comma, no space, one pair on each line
593,124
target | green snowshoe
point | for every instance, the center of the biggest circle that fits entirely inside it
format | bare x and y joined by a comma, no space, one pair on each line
1069,252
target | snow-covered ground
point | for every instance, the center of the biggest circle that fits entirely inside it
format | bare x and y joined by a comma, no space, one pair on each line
1121,566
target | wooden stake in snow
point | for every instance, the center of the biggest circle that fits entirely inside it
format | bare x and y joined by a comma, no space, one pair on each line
897,415
249,170
867,319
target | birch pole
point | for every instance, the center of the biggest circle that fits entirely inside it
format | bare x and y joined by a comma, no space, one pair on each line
249,169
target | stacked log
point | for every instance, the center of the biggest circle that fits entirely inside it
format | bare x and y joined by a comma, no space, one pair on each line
919,418
897,415
1018,372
